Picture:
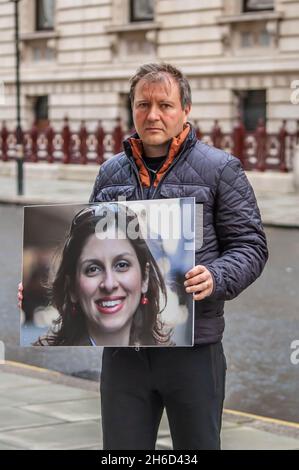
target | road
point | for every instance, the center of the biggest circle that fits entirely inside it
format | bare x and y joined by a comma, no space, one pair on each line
260,326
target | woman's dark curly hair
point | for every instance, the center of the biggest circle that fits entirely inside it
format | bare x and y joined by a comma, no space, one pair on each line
147,327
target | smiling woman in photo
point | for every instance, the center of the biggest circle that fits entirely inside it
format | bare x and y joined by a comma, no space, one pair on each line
108,289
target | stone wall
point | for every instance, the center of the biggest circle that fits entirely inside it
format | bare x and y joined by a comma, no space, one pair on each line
93,50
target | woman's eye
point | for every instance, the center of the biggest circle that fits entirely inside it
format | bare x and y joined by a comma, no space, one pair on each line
92,270
122,266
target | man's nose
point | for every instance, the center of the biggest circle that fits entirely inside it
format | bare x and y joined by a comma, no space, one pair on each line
153,113
109,281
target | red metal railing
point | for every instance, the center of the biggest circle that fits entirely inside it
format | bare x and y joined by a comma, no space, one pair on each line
257,150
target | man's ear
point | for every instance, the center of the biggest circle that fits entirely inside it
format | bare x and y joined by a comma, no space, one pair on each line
187,112
144,286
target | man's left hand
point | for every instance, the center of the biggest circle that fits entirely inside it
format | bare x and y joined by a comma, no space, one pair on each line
200,282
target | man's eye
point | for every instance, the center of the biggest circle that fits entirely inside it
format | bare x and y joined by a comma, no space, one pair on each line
142,105
165,106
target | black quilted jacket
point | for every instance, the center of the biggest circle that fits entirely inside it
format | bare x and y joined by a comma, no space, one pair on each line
234,244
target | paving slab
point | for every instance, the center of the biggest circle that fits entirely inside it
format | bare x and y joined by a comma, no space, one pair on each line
60,436
75,410
45,394
228,425
16,418
8,381
43,191
4,446
279,209
244,437
7,401
58,416
93,448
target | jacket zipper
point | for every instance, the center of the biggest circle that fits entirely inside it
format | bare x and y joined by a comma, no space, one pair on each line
138,178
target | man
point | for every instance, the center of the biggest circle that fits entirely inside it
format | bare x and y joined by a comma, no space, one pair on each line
165,160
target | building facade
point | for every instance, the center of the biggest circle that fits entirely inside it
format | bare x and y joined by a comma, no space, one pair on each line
241,56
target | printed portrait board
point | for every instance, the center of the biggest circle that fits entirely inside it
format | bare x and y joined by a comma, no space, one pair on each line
108,274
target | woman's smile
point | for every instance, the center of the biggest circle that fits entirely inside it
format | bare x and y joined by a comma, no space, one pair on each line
110,305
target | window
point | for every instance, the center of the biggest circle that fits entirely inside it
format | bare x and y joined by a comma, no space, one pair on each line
246,39
45,15
141,10
257,5
41,110
251,104
257,37
264,38
40,52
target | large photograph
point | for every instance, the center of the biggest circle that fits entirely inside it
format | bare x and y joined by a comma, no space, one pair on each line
108,274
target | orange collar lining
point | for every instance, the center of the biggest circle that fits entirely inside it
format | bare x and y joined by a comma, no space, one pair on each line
137,151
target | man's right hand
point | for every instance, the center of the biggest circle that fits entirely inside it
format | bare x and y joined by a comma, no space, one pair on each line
20,295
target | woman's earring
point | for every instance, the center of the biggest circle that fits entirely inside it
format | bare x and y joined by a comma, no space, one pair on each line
144,300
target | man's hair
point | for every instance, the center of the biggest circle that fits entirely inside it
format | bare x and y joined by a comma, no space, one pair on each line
160,72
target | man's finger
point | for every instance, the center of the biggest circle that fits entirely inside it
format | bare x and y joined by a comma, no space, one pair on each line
199,287
196,270
197,279
200,296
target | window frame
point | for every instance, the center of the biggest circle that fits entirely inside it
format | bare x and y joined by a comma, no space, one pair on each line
38,26
133,18
246,9
41,103
252,105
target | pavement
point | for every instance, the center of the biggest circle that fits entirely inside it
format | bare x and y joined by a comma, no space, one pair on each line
42,409
278,208
46,410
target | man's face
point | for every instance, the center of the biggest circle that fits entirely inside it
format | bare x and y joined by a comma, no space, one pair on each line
158,114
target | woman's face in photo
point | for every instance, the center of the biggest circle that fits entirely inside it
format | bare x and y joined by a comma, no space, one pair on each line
109,283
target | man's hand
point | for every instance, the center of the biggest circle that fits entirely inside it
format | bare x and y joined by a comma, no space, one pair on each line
200,282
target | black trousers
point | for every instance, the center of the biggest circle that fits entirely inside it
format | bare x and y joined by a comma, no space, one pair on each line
137,385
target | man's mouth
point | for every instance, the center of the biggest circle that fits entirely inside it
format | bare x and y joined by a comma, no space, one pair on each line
109,306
